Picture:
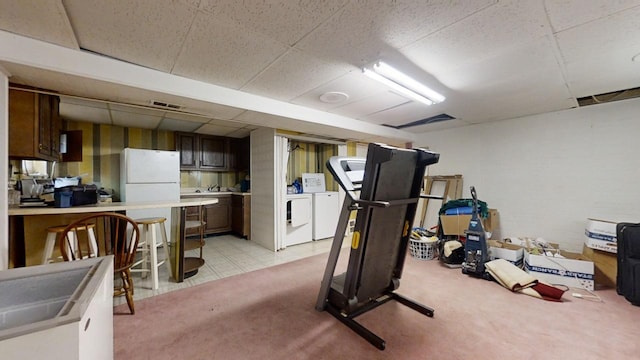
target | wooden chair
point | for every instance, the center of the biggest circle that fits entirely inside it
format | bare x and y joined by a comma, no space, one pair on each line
115,234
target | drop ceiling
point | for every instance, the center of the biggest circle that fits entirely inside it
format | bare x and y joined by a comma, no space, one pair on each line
493,60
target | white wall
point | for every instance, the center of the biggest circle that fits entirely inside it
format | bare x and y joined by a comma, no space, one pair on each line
546,174
263,199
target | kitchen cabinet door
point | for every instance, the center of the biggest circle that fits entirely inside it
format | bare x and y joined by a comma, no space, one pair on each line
240,153
214,153
203,152
34,126
56,126
187,144
218,216
44,125
241,215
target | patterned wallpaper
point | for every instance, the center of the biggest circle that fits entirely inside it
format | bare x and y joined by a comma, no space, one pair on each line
101,147
102,144
310,158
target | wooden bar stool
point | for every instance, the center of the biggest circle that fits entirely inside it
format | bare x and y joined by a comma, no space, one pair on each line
148,247
52,236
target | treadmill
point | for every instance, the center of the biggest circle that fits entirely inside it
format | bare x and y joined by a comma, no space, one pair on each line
389,183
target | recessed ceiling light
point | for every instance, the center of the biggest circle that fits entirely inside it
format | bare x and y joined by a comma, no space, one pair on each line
333,97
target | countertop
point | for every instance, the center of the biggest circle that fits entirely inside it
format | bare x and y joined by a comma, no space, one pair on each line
116,206
205,193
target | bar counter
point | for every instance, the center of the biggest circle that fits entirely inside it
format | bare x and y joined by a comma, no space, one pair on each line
28,226
108,207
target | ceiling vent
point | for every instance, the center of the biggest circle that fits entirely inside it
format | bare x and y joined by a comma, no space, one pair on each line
165,105
609,97
429,120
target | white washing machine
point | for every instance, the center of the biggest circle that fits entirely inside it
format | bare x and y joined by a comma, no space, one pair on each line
326,210
299,219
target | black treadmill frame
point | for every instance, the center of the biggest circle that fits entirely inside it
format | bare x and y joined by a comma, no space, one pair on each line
389,192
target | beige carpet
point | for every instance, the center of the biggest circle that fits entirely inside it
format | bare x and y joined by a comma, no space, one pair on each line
269,314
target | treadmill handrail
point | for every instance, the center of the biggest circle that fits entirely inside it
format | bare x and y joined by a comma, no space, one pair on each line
339,162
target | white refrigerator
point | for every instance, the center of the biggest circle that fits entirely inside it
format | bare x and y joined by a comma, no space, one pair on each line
148,176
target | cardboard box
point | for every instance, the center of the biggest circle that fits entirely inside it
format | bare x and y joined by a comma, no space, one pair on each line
601,235
503,250
606,266
574,270
458,224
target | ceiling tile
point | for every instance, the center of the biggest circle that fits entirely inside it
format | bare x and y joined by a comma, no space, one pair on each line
43,79
240,133
230,124
531,61
136,110
75,112
370,105
402,114
186,117
209,109
354,84
284,21
616,39
160,27
178,125
293,74
233,54
483,35
128,119
569,13
215,130
82,102
497,88
363,31
449,124
43,20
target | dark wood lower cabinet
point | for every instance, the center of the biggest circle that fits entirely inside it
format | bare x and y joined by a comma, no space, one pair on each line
218,216
241,215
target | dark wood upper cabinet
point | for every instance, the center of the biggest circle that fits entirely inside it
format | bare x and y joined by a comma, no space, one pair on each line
214,153
34,126
56,126
204,152
240,154
187,144
73,146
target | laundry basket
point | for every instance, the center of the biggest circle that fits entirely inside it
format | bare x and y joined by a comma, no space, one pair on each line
423,248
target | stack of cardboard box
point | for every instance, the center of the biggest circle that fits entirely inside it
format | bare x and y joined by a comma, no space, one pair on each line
600,246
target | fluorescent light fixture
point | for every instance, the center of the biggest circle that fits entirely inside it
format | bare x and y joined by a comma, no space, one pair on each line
402,83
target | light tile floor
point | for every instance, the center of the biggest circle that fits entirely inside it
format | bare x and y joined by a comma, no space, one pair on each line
226,255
